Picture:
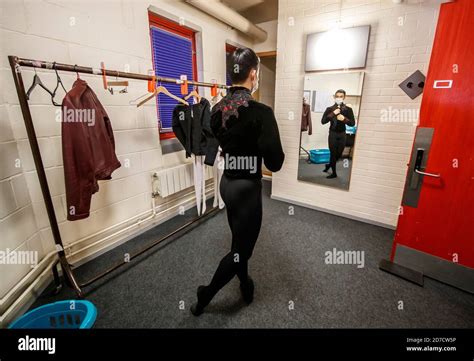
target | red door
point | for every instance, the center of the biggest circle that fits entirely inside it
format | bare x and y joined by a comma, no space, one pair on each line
441,224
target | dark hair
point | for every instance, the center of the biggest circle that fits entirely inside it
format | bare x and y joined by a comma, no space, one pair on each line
240,63
341,91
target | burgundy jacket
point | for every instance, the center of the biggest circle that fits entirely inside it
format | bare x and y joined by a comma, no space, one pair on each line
88,148
306,123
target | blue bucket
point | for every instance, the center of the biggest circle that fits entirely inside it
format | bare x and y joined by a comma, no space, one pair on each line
319,156
58,315
351,130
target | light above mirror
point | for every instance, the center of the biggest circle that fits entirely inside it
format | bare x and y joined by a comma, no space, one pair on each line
337,49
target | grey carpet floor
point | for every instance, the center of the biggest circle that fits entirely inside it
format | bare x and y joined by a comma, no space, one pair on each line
295,288
310,172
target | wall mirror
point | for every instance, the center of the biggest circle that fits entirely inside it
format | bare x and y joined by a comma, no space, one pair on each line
329,122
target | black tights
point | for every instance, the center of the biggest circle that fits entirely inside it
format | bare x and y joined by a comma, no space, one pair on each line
337,142
243,200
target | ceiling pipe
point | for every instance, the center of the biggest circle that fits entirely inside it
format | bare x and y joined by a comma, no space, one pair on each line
229,16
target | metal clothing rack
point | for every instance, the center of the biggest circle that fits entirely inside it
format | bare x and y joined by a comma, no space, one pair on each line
16,63
309,156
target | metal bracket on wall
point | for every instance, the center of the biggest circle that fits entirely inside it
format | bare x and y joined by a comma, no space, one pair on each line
413,85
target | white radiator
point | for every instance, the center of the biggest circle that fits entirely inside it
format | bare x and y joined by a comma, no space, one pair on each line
169,181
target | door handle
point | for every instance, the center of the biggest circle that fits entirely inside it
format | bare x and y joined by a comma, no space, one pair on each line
419,158
428,174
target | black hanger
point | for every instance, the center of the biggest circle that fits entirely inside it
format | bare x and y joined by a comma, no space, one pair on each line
58,81
37,81
75,69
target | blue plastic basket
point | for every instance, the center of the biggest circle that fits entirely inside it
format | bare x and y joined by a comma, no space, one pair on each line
319,156
62,314
351,130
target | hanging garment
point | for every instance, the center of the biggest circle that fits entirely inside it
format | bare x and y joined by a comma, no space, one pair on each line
88,148
247,132
306,123
200,183
191,125
218,170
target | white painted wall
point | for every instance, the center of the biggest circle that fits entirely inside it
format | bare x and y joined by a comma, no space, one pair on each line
267,86
382,149
271,27
84,33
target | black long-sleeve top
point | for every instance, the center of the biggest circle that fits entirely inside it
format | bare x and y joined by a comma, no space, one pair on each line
191,125
338,125
253,134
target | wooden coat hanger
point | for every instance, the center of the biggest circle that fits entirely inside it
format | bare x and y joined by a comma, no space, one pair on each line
163,90
216,97
137,100
195,94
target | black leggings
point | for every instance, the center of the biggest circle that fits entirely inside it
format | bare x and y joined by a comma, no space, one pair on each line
337,143
243,200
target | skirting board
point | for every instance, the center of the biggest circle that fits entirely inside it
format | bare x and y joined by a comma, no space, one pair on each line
340,214
26,299
437,268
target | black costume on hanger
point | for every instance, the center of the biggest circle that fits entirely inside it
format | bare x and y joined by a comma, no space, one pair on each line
191,124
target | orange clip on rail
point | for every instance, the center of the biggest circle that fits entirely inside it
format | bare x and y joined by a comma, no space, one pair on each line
214,90
184,87
152,85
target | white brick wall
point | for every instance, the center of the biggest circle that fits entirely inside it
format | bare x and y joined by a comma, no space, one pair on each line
267,86
382,149
115,32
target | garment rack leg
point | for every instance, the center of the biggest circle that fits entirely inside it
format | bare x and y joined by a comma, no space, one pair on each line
30,129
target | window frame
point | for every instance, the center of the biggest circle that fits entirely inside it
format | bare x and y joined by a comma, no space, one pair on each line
166,24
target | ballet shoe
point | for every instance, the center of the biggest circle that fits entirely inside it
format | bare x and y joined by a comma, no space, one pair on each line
197,309
247,291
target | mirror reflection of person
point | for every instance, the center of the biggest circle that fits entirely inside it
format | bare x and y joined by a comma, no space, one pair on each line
338,115
306,124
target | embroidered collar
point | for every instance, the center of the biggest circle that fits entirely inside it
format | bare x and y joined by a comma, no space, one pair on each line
237,96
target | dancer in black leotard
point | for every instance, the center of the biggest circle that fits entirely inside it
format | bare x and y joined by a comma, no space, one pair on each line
247,132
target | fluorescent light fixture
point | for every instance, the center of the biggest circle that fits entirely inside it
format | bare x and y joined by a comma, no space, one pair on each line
337,49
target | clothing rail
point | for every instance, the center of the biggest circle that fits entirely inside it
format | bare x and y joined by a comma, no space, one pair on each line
115,73
16,63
